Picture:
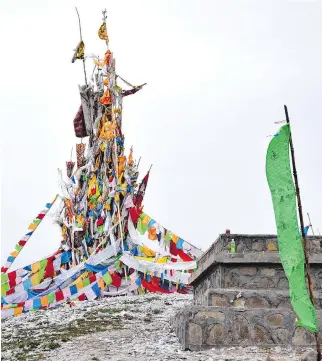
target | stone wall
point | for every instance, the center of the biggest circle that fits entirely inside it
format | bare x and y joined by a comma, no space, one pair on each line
248,276
223,297
242,298
206,327
266,276
261,243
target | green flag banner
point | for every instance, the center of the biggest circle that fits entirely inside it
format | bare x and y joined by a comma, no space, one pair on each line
279,178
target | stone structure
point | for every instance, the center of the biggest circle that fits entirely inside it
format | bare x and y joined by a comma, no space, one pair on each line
242,298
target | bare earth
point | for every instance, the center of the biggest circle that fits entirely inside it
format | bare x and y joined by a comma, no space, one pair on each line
114,329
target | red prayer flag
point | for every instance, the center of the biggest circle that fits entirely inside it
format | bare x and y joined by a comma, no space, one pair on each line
116,280
184,256
82,297
59,295
92,278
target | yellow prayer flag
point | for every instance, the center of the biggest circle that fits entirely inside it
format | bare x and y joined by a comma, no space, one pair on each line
101,284
102,32
162,260
35,279
146,220
148,252
32,226
14,254
175,238
79,284
80,50
44,301
17,311
35,267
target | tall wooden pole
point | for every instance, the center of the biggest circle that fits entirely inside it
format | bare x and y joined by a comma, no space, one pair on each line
299,204
81,38
308,216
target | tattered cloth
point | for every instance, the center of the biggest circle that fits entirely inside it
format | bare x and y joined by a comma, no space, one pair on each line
80,150
79,124
69,168
88,101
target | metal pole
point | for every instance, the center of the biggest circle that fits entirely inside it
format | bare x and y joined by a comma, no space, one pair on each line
299,204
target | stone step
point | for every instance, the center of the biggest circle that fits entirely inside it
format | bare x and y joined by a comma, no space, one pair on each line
256,298
207,327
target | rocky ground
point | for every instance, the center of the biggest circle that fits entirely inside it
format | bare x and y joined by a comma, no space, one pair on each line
114,329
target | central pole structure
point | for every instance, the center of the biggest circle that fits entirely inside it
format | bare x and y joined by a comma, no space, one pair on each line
299,204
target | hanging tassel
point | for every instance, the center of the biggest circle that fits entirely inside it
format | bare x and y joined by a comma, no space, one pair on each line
80,150
69,168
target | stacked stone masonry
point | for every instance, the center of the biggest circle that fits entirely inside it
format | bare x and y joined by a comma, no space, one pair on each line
243,298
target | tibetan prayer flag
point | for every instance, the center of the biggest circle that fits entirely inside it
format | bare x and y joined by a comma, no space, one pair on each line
32,226
102,32
18,248
168,236
51,297
79,284
101,284
80,150
279,178
4,277
86,282
59,296
18,311
4,289
141,191
116,279
35,279
73,290
107,279
36,303
80,50
44,301
152,233
96,289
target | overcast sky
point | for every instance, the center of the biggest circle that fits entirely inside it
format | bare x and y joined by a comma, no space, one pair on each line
218,74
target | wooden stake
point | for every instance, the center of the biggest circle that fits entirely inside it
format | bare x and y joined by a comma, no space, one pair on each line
299,204
308,216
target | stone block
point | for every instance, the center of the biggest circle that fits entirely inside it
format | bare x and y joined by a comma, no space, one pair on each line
266,282
239,303
258,246
217,335
268,272
280,336
271,246
215,316
276,319
247,271
257,302
195,334
241,330
219,300
261,335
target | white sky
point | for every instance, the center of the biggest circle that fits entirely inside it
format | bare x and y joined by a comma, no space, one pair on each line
218,74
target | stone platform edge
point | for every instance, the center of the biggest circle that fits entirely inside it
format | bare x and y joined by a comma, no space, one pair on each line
199,327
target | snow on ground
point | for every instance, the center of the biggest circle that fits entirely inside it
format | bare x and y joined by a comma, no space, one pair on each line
114,329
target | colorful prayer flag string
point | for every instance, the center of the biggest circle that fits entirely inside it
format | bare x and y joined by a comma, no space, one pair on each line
32,227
